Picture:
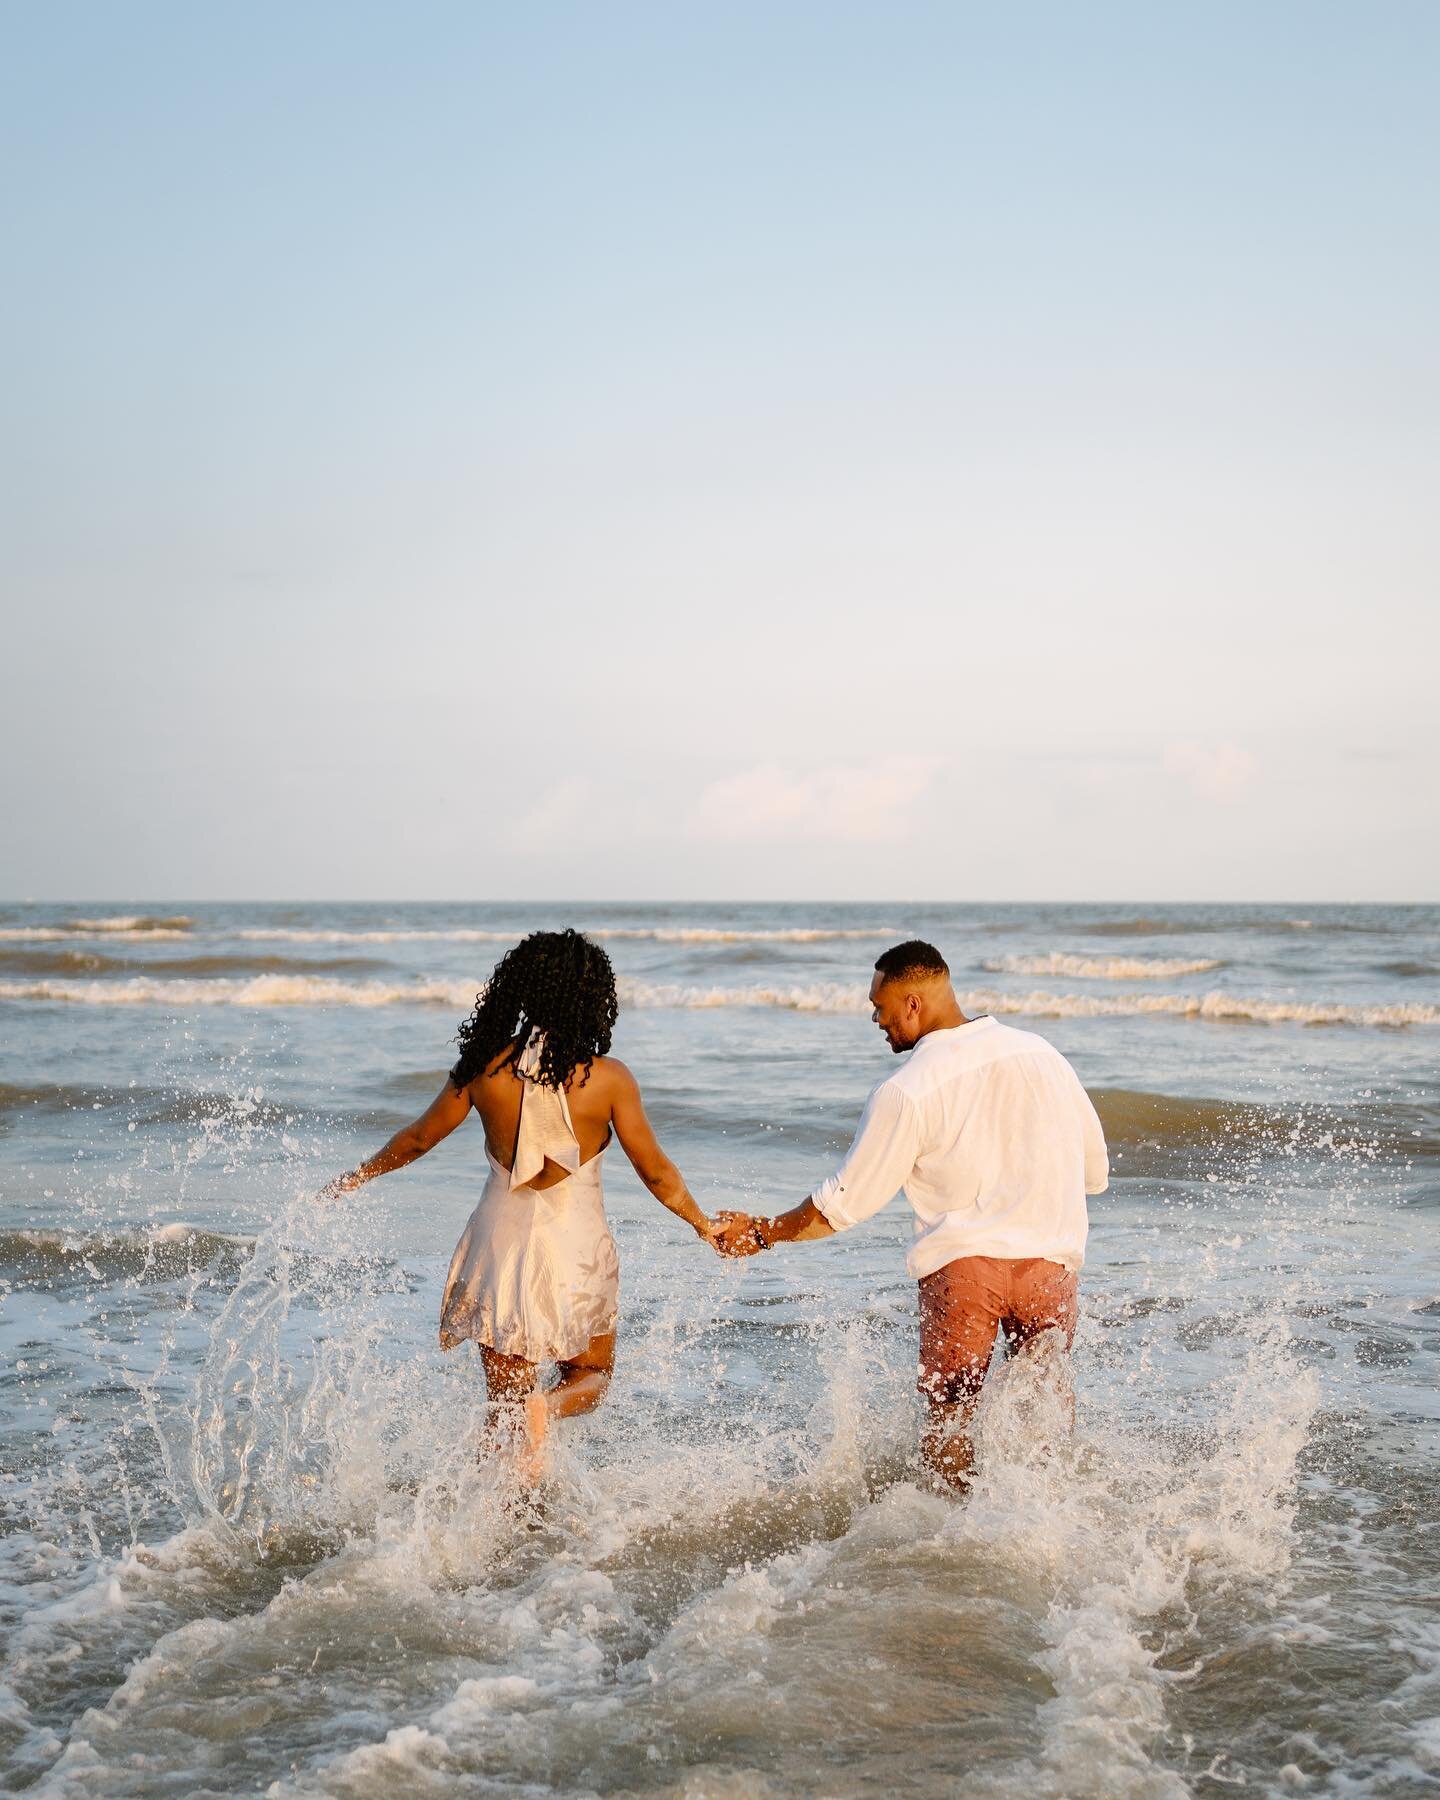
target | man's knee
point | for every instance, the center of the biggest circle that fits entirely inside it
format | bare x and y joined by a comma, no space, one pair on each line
945,1444
957,1385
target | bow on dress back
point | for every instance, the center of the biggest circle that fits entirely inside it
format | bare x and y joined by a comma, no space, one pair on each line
546,1132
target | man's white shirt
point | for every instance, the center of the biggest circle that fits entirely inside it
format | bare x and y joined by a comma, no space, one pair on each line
994,1141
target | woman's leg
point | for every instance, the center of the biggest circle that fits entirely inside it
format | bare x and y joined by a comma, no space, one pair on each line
508,1379
511,1383
583,1379
518,1406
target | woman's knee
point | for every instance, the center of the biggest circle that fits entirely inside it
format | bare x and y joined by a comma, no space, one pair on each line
598,1357
595,1373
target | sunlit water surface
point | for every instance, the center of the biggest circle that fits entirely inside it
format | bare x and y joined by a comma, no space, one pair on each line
249,1545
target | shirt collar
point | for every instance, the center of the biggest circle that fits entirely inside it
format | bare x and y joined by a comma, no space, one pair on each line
950,1033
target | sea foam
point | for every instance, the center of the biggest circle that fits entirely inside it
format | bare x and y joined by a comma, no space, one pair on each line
836,997
657,934
1103,968
82,928
818,997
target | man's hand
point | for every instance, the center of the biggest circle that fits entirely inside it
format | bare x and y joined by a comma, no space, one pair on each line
737,1234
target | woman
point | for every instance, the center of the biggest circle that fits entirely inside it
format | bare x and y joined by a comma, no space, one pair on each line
535,1275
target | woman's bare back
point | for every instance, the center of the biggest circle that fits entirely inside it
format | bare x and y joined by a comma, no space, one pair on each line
496,1095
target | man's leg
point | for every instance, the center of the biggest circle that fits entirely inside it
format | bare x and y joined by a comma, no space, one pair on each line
945,1446
960,1307
1043,1311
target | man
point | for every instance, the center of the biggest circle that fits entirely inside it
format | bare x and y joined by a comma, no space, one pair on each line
996,1145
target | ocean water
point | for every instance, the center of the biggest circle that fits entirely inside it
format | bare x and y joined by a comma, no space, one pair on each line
247,1543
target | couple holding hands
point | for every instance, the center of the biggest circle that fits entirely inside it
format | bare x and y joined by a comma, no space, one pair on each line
986,1128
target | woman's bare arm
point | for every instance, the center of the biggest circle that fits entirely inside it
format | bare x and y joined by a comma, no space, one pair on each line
651,1164
444,1113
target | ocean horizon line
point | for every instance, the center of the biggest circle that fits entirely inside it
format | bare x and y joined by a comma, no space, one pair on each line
690,900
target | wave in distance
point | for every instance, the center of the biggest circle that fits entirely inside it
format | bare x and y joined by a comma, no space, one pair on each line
820,997
1148,927
123,925
1102,968
655,934
254,962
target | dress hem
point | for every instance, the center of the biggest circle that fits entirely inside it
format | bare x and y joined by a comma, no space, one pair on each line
476,1332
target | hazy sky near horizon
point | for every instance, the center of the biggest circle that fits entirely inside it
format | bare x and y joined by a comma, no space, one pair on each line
755,451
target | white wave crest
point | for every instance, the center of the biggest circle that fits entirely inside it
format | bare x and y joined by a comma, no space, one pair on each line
261,990
657,934
835,997
128,922
1103,968
84,928
818,997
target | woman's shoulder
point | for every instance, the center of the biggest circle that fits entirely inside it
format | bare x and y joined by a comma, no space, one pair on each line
606,1075
609,1068
501,1063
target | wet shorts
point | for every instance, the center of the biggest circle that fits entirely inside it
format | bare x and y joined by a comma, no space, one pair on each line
962,1304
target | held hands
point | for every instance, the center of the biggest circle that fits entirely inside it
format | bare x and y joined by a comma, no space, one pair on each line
737,1234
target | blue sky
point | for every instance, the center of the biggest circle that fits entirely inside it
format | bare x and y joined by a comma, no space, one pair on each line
749,451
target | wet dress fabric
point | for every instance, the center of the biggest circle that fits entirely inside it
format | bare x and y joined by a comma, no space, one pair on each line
535,1273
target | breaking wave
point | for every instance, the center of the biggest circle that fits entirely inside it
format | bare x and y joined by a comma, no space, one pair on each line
93,962
161,1253
134,922
122,925
819,997
835,997
1145,926
1157,1133
656,934
261,990
1103,968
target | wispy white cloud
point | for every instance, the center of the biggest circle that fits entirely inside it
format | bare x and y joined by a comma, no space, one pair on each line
839,803
1212,771
565,814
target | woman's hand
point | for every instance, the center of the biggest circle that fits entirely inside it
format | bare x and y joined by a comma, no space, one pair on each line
737,1234
342,1184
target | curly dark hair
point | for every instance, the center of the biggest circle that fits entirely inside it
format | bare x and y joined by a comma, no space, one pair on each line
557,980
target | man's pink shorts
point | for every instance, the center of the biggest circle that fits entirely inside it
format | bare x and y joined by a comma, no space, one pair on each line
962,1305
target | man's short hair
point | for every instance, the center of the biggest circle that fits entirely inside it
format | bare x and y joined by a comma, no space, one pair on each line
914,960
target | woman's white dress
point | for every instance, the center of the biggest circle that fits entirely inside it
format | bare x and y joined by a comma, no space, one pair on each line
535,1273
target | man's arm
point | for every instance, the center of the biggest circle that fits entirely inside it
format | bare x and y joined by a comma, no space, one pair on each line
737,1234
876,1166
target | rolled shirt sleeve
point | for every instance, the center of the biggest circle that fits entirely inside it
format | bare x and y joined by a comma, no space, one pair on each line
877,1164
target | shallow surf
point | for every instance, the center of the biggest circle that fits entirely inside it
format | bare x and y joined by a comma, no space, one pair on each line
248,1543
